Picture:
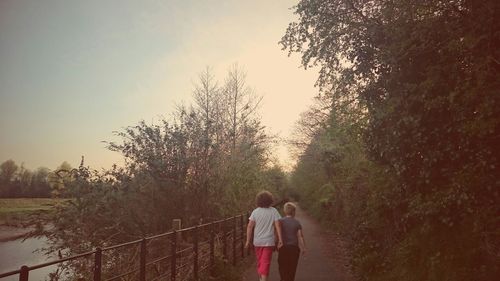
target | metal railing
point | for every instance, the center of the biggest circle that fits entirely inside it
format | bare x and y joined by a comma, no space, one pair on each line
186,253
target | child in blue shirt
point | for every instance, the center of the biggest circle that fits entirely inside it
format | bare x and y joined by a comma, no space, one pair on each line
293,243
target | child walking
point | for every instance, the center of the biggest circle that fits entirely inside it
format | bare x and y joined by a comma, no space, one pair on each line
293,243
262,224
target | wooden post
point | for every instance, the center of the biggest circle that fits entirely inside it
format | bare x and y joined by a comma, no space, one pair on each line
249,250
173,253
142,267
97,264
234,240
242,235
24,274
224,240
212,249
195,252
176,225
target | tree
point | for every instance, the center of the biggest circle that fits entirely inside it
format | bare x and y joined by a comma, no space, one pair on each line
8,171
214,148
242,102
60,179
24,182
311,123
424,75
40,185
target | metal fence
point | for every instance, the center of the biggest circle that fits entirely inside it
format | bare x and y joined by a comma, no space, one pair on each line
176,255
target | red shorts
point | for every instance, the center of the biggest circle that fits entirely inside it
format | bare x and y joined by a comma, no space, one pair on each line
263,255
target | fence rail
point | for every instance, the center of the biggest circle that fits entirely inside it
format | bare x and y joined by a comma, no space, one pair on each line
185,254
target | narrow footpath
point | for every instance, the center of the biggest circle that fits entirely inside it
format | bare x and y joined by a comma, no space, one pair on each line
324,260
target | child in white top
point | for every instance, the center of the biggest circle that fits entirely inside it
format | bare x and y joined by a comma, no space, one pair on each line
262,225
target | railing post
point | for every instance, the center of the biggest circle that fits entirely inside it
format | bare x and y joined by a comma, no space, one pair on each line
234,240
97,264
24,274
212,249
177,225
224,240
249,250
173,253
242,234
195,251
142,268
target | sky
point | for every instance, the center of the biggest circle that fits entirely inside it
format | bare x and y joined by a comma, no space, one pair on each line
72,72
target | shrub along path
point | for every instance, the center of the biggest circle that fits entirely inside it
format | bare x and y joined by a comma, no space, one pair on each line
325,259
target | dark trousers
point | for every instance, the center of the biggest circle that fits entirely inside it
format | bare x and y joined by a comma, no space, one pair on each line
288,257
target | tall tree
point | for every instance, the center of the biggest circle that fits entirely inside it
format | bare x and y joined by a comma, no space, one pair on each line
8,171
243,103
40,185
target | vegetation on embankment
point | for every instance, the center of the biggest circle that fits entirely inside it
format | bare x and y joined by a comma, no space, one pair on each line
400,152
206,162
224,271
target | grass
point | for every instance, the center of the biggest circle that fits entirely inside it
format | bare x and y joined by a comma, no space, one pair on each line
14,210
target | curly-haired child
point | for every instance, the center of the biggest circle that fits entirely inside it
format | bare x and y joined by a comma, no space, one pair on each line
262,226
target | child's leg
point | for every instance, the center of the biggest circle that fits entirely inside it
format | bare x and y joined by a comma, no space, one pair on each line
264,256
294,260
287,261
258,257
282,262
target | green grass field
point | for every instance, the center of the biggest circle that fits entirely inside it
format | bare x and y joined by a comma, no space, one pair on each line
13,210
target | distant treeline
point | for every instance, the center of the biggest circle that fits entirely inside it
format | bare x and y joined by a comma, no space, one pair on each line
17,181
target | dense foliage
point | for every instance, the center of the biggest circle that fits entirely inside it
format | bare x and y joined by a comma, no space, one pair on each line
407,163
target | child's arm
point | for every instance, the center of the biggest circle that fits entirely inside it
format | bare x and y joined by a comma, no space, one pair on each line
276,237
302,241
277,227
250,226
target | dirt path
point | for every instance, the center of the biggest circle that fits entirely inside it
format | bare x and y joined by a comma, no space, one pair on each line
324,261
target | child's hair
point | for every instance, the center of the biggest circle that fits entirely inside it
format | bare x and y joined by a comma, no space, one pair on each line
289,209
264,199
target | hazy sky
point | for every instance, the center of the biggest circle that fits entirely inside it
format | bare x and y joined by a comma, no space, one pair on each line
72,72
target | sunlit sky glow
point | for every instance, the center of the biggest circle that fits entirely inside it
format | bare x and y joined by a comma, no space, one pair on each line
72,72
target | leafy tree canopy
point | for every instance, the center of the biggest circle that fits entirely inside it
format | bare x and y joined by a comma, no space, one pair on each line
420,79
